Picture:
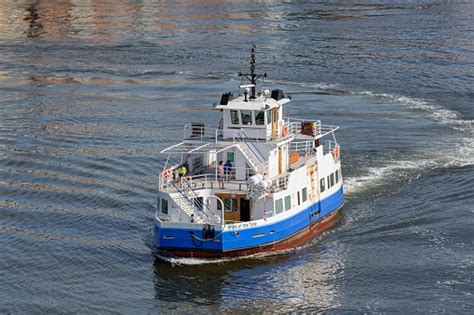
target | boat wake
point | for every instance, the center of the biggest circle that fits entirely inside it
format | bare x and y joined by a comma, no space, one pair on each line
184,261
377,175
436,112
458,153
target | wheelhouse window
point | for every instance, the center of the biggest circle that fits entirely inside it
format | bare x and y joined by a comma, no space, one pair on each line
287,202
164,206
337,176
322,185
298,197
332,179
279,206
246,116
304,192
328,181
260,118
234,116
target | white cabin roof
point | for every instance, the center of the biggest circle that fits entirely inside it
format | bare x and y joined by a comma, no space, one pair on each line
260,103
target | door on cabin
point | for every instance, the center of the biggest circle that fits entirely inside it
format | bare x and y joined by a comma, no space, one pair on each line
232,206
280,166
274,122
244,210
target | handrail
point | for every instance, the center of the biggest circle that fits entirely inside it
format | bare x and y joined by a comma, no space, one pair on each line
188,199
208,180
255,150
201,204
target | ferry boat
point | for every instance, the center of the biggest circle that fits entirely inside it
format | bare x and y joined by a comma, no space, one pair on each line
256,182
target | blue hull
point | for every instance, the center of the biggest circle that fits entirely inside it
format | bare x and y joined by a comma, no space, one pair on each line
188,240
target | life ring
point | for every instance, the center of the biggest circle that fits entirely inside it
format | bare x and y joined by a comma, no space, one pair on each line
166,174
335,152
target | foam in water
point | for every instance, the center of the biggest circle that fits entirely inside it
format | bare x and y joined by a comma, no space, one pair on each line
374,175
437,113
203,261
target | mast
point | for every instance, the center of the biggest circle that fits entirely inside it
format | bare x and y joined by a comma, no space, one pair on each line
253,76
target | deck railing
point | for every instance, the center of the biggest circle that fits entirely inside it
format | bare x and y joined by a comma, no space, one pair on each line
208,180
202,133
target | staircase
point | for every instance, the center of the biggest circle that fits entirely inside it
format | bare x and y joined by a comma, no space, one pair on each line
202,208
254,158
186,204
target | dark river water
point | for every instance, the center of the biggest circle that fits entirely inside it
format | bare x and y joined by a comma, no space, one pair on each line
91,90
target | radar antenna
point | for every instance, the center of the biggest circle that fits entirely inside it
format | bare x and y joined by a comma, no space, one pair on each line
253,76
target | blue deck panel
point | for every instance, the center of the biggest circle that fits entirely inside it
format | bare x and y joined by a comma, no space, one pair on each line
230,240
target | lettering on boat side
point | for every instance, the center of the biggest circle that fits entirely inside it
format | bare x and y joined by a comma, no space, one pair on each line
240,226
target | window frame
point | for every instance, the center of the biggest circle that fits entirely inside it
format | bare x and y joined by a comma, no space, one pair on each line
279,204
164,206
246,112
233,202
304,193
288,203
232,117
256,115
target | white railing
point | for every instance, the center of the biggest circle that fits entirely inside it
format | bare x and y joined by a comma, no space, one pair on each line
211,181
331,147
295,127
303,147
201,132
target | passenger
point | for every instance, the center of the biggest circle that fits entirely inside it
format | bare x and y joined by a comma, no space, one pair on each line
227,170
220,174
181,173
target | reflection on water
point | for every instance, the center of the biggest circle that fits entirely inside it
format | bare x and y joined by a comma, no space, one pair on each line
305,279
101,21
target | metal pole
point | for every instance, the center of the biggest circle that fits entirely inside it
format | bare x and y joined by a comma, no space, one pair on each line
222,209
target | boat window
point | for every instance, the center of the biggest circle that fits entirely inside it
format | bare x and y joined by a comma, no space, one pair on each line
234,117
260,118
269,117
279,206
332,179
304,192
337,176
164,206
298,195
230,204
321,184
328,182
246,116
288,202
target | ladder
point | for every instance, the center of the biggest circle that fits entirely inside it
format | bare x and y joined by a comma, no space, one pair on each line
251,153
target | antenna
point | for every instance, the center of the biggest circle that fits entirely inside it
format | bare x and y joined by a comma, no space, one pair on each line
253,76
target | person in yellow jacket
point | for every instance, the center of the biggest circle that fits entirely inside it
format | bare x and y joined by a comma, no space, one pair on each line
181,173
